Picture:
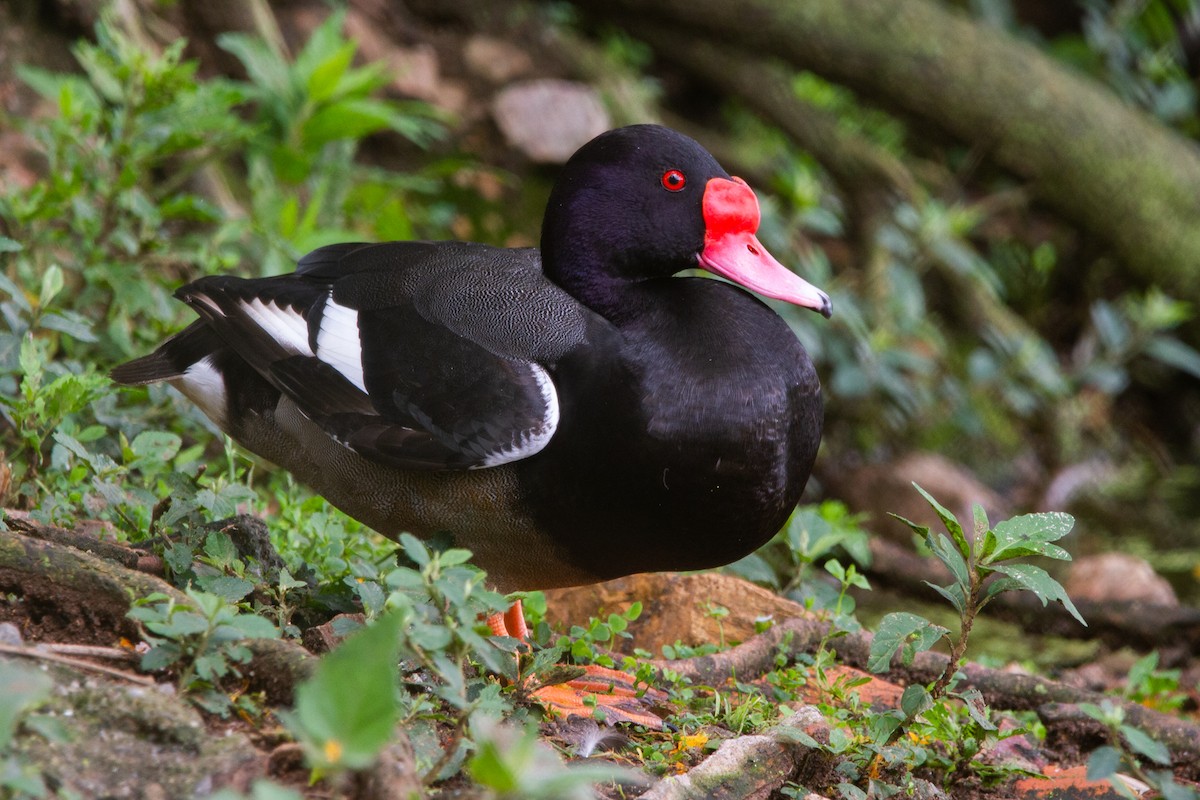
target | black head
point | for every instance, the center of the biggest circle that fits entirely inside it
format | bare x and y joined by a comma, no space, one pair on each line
646,202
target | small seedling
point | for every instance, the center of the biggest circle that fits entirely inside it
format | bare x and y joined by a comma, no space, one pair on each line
203,641
989,554
1129,748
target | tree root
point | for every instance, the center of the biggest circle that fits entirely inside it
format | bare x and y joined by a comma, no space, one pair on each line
1001,690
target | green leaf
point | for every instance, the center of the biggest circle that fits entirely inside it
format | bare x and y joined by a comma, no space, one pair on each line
916,700
155,445
973,700
252,626
1142,670
1174,353
415,550
52,284
949,520
954,593
1037,580
220,548
327,75
347,711
264,66
25,688
1103,762
754,568
949,555
324,42
920,530
454,556
228,587
160,656
352,118
1141,743
982,525
8,245
1029,535
894,632
180,625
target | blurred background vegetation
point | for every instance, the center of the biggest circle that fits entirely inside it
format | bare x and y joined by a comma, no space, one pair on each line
974,316
1000,196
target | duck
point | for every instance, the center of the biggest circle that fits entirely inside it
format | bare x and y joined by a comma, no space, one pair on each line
570,414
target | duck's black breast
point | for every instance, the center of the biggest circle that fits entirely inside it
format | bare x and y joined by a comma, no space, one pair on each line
686,438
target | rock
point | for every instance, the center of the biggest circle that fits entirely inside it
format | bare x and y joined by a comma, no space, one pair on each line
117,732
750,767
415,70
548,120
10,635
496,60
1118,577
880,489
675,608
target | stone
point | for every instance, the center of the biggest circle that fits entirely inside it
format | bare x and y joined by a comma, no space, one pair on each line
122,740
496,60
675,608
880,489
548,120
1118,577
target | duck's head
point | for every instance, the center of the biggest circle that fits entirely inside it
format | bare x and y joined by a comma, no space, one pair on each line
645,201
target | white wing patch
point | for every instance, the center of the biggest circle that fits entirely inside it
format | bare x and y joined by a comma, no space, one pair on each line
338,342
287,327
204,385
531,440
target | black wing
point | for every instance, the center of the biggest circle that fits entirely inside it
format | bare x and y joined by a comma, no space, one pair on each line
419,355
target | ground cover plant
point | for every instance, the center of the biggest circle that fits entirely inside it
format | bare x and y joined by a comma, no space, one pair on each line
154,171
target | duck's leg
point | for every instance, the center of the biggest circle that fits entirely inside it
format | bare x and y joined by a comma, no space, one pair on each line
613,691
510,623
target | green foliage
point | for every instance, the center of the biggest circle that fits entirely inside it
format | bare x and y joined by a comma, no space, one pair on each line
25,688
1154,688
202,641
971,560
1135,48
100,214
813,534
1129,749
347,711
307,187
586,644
515,765
963,729
261,790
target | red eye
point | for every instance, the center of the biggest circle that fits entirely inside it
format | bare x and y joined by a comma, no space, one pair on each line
673,180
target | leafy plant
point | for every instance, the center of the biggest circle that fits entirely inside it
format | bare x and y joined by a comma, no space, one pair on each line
347,711
1129,747
307,187
971,561
515,765
99,213
963,730
585,644
201,640
1152,687
25,689
813,533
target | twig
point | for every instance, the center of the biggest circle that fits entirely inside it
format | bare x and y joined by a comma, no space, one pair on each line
44,655
89,651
